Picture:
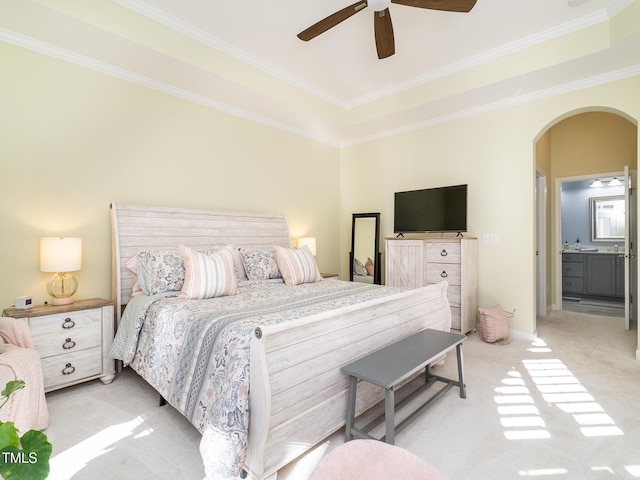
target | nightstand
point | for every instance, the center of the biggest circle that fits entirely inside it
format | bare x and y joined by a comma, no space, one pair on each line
73,341
329,275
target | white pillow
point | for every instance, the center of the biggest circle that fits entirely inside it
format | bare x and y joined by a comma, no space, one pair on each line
296,265
208,275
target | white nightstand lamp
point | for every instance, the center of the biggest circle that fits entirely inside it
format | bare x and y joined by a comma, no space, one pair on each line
61,255
309,242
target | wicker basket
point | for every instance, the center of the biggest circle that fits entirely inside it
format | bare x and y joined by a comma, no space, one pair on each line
509,316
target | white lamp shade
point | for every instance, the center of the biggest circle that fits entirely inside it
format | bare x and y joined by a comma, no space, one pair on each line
378,5
308,242
60,254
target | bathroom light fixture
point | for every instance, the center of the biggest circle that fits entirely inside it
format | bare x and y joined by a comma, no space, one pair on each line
615,182
61,255
596,183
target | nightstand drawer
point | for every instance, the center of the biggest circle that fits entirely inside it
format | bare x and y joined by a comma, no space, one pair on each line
71,367
65,332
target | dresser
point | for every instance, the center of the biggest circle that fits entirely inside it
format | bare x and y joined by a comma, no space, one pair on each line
73,340
417,262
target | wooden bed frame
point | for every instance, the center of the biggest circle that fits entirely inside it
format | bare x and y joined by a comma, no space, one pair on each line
297,393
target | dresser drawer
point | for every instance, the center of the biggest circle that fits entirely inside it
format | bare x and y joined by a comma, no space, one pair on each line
71,367
443,252
437,272
62,333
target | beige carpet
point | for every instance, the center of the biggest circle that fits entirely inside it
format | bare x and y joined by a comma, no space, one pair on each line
565,406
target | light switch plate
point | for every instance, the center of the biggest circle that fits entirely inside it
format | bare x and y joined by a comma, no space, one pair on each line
490,238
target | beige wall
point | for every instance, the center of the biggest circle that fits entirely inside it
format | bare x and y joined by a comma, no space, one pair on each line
73,141
495,154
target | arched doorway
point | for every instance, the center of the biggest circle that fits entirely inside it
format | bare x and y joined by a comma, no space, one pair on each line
580,144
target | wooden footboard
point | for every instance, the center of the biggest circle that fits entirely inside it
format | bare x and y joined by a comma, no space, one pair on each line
298,394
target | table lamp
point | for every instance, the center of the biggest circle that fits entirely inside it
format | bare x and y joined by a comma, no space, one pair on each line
309,242
61,255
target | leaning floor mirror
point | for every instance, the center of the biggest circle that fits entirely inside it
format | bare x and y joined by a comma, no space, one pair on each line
365,248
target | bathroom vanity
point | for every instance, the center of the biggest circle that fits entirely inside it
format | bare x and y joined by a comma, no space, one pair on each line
593,274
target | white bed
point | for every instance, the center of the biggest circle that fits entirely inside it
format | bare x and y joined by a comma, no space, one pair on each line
287,365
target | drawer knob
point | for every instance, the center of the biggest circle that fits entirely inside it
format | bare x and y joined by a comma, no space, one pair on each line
68,369
68,323
68,344
443,253
444,274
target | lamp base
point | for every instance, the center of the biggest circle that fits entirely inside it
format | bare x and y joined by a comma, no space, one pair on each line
61,286
62,301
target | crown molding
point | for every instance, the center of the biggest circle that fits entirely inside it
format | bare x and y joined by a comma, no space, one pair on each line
500,105
507,49
108,69
198,35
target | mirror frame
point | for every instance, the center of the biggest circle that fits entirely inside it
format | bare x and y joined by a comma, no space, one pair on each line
593,210
376,268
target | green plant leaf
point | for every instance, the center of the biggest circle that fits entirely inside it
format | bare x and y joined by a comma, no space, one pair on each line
30,463
9,435
12,386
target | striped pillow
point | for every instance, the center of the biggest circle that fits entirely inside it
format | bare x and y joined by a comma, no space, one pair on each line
296,265
208,275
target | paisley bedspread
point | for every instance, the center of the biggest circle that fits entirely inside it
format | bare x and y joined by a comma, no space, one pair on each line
195,353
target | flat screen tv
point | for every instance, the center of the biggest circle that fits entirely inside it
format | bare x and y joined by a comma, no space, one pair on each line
442,209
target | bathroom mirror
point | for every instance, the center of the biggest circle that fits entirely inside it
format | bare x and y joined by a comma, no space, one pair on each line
607,218
364,258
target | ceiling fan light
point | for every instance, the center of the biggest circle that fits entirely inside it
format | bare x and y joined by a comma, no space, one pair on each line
378,5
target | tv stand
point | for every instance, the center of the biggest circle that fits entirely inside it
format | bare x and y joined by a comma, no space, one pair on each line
419,261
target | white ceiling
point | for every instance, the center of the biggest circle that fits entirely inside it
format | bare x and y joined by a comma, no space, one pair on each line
243,56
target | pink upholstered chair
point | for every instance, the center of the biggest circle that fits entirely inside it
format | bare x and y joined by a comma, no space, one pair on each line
373,460
26,408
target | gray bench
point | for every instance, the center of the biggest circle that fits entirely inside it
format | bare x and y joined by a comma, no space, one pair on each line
390,366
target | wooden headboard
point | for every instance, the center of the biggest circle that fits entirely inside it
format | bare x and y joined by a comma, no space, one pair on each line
136,227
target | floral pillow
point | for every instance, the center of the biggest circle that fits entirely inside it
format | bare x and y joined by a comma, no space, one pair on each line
259,263
160,271
358,267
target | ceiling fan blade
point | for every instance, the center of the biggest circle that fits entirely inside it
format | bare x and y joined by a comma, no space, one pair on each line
331,21
463,6
385,43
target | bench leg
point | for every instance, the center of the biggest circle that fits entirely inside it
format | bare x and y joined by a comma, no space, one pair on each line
463,393
389,413
351,407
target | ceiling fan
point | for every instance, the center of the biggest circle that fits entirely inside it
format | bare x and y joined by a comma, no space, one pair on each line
383,28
